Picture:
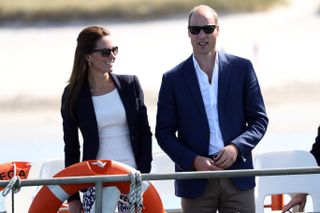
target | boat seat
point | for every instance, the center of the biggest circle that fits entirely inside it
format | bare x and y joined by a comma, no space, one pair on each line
271,185
50,168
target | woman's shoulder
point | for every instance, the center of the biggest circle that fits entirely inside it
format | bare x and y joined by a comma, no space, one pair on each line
66,90
126,79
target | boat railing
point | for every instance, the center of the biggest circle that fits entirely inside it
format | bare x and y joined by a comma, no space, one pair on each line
99,180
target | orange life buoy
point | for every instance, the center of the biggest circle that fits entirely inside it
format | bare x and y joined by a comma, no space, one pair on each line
50,198
7,170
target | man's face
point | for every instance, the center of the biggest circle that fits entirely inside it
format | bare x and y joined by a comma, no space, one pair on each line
203,42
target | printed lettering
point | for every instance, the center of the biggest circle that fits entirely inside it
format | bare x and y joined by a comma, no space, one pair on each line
22,174
10,174
2,175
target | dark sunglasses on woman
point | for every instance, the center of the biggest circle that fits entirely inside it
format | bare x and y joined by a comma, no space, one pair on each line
106,52
195,30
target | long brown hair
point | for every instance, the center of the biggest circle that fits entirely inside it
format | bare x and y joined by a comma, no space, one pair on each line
86,42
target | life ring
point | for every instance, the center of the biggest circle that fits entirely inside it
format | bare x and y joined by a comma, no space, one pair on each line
20,168
50,198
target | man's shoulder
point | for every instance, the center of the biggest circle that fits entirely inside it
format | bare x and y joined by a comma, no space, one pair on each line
178,69
232,58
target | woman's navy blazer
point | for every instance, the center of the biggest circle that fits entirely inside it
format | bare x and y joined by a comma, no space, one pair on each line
84,119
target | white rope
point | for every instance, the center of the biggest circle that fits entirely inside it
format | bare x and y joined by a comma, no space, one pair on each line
135,199
139,201
14,186
132,196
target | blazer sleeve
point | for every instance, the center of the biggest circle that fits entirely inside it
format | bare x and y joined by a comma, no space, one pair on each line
255,114
167,127
70,137
70,133
144,155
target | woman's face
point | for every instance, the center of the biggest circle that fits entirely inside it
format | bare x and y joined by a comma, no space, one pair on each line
103,56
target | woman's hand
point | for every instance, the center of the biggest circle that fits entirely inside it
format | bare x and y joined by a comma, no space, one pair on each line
298,199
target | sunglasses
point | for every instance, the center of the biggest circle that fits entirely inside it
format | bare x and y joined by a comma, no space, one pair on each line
195,30
106,52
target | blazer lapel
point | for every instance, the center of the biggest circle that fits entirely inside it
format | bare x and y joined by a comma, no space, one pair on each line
125,98
86,108
192,81
224,79
121,90
116,81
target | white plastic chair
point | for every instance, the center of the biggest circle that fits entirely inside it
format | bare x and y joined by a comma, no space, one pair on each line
49,168
163,164
269,185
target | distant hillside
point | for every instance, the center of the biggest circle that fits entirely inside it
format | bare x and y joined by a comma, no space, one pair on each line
30,11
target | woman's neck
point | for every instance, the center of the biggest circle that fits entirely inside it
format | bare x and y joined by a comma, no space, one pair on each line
100,84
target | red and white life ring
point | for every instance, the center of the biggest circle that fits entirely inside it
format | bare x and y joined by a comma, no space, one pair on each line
50,198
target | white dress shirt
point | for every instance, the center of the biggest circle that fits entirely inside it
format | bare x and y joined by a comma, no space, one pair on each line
209,93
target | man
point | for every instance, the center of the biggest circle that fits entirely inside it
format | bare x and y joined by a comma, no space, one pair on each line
301,198
210,116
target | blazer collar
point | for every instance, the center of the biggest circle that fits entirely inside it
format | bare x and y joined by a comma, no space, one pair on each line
190,76
121,89
126,98
116,81
225,68
86,109
86,105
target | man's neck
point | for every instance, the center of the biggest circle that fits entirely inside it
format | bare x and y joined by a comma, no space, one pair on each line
206,62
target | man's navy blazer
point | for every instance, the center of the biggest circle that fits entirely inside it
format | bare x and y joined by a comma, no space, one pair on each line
84,119
182,128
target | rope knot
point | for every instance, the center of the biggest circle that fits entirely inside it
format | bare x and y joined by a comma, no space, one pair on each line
14,184
135,194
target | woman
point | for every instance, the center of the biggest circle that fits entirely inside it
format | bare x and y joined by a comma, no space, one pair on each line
108,109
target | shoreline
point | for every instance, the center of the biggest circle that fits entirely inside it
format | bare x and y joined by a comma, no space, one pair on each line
290,93
61,12
292,109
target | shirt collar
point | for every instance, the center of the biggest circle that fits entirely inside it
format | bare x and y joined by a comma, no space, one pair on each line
200,72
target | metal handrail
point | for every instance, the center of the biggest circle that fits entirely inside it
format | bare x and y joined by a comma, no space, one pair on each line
98,180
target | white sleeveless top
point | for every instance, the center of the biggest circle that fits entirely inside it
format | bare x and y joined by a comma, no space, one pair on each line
114,138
